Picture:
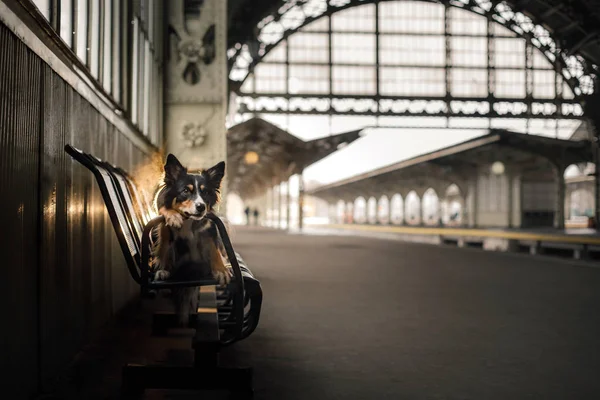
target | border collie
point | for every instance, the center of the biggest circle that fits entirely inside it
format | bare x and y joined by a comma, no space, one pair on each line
189,245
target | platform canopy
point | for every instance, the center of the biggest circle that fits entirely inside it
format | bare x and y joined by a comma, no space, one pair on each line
453,164
261,155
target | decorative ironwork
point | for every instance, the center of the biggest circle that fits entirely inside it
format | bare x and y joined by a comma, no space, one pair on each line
397,106
455,58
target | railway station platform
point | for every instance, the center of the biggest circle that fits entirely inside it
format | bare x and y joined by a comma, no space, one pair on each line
354,317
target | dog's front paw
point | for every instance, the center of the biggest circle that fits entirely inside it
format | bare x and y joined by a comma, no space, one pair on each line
173,219
161,275
222,276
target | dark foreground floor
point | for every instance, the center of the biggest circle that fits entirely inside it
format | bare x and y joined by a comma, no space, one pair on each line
359,318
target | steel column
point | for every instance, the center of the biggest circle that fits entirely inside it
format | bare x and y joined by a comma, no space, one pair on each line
279,204
287,205
510,195
596,150
300,200
273,207
559,216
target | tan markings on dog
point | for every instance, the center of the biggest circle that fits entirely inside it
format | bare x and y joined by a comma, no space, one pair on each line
202,187
217,264
172,217
187,206
187,203
191,187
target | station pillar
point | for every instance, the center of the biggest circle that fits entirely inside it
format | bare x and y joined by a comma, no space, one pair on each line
196,84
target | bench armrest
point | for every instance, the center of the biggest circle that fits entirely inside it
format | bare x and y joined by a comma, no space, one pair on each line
238,282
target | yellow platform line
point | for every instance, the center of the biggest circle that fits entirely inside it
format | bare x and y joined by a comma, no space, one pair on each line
417,230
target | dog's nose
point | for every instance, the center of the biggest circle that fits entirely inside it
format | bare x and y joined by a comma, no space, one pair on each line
200,208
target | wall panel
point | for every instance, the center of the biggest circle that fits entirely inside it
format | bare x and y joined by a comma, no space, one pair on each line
20,118
63,273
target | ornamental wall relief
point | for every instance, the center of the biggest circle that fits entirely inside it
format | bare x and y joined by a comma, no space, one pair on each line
196,41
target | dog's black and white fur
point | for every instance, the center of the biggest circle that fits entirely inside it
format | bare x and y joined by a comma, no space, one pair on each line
189,246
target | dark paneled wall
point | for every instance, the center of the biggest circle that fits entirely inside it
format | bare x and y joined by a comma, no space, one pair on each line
63,275
20,128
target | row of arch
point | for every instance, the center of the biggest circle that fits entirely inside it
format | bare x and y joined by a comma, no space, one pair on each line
430,210
398,210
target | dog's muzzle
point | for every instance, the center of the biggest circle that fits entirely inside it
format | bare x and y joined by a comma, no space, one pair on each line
200,212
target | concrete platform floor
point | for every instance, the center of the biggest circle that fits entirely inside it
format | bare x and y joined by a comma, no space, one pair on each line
366,318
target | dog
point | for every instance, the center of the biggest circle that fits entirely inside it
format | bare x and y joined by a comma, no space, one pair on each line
189,246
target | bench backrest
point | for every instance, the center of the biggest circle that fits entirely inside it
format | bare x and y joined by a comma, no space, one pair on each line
142,204
118,207
134,215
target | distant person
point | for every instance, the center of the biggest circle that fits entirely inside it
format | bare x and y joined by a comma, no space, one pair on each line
247,212
256,213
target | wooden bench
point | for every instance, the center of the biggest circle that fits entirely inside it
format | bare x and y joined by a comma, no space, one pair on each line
225,315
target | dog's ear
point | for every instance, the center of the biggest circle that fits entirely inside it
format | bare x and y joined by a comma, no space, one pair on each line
173,169
215,174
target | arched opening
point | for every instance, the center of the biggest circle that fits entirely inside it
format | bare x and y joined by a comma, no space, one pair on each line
360,210
582,203
573,171
579,195
431,207
341,212
397,209
372,210
383,210
349,213
579,171
413,208
452,206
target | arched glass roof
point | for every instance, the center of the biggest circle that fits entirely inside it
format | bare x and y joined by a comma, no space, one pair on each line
475,64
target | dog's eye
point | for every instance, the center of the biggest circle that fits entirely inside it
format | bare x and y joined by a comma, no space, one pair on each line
186,191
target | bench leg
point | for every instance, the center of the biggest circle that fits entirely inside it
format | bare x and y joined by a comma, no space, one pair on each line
205,374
